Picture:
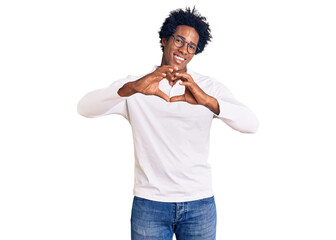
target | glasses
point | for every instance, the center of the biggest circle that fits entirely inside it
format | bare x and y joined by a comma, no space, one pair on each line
180,42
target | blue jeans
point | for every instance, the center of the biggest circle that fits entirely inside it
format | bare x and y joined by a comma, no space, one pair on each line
194,220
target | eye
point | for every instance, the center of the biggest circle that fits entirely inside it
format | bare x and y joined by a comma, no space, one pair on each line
192,47
179,40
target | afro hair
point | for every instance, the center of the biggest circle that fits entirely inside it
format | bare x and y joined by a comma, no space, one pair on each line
188,17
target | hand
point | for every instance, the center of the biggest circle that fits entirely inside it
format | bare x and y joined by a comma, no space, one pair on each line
194,94
149,84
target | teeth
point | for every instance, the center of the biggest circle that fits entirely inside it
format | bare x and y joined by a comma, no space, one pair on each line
182,59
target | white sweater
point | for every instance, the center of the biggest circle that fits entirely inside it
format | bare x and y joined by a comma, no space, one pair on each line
171,140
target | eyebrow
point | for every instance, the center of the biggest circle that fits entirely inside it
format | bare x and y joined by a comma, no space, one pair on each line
186,41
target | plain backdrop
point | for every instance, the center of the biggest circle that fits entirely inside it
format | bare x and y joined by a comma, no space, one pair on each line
63,176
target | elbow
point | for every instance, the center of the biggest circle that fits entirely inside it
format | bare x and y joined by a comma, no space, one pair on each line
82,113
251,126
82,110
245,124
239,117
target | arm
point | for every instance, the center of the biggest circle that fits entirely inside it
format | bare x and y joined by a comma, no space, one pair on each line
113,99
198,97
234,113
103,101
148,85
194,94
220,101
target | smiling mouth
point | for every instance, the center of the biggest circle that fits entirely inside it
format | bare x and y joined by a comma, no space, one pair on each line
179,59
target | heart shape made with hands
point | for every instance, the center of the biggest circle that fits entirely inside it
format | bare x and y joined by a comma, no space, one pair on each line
171,87
173,77
187,90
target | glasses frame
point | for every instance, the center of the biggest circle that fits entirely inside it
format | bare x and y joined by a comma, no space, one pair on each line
184,42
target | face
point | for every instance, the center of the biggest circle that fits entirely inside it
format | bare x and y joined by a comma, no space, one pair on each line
179,57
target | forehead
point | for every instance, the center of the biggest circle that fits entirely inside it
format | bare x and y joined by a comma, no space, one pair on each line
189,33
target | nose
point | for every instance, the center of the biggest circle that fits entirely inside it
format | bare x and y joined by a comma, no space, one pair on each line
184,49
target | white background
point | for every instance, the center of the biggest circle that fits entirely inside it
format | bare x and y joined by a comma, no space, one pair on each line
66,177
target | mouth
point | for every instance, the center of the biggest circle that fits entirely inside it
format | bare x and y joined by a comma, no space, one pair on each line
179,59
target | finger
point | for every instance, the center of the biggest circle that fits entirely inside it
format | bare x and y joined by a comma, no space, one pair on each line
184,76
159,76
166,68
185,83
162,95
174,78
169,67
169,76
178,98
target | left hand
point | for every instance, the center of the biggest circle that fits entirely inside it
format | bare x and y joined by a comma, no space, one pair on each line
194,94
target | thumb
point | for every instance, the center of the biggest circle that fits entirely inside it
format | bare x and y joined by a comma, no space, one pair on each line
162,95
178,98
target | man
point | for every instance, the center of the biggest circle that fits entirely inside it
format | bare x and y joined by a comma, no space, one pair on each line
170,111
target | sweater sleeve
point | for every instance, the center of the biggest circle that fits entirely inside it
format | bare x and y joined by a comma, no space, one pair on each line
104,101
234,113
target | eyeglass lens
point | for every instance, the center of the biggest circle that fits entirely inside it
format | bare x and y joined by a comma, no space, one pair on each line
180,42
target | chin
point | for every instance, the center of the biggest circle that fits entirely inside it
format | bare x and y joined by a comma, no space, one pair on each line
179,67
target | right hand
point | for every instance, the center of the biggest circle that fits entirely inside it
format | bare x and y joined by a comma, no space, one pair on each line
149,84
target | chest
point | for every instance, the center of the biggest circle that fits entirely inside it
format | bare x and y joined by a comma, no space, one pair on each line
152,110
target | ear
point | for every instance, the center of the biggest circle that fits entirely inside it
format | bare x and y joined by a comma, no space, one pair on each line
164,42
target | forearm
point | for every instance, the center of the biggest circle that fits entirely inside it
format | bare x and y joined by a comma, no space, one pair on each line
238,116
127,90
98,102
212,104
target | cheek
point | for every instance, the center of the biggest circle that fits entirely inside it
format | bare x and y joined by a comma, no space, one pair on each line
189,59
167,49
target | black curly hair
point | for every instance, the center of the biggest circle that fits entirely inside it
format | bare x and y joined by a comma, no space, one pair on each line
188,17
